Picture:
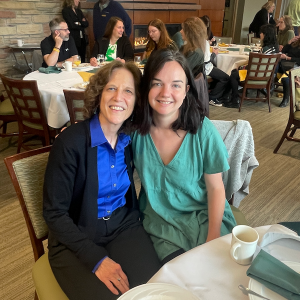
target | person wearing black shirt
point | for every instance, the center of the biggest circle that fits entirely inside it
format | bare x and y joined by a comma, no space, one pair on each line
59,46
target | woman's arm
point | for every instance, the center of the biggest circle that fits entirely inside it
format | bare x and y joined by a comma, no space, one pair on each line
216,204
66,12
84,21
127,51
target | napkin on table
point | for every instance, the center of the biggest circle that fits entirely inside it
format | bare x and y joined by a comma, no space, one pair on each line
275,275
50,70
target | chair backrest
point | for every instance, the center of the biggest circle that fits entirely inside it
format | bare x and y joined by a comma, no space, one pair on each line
261,68
255,40
294,76
223,39
27,174
75,102
250,36
202,89
25,98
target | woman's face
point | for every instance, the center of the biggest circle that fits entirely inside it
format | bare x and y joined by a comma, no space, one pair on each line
118,30
262,36
76,3
281,24
168,90
183,35
154,33
271,9
118,98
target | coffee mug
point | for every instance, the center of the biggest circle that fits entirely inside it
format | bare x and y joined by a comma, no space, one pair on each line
241,50
67,65
243,244
20,43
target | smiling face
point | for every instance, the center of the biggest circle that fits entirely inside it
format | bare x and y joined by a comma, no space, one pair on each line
118,30
168,90
154,33
118,98
281,24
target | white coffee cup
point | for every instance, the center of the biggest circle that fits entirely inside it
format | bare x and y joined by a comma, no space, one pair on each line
241,50
243,244
67,65
20,43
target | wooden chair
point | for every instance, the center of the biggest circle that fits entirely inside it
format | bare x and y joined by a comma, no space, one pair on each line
261,68
250,36
223,39
27,171
75,102
7,115
294,117
25,99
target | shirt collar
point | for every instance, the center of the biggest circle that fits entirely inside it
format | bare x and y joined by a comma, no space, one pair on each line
98,138
104,5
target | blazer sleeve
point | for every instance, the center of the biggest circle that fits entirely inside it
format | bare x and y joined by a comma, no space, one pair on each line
85,23
61,180
126,49
67,15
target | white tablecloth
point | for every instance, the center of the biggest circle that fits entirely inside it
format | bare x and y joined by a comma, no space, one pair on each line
209,272
232,60
51,88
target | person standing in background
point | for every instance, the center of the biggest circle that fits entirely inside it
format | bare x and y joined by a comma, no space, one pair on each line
76,21
263,17
103,11
293,10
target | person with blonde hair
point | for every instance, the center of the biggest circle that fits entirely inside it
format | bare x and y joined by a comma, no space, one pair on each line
263,17
286,32
158,38
194,33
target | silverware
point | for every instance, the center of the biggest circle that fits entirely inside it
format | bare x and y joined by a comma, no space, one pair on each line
247,291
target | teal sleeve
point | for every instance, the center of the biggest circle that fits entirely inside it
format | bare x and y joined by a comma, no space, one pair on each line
215,155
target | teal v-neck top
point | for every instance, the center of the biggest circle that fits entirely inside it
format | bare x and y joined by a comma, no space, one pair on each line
173,197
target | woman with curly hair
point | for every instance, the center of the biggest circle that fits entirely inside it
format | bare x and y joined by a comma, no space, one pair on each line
286,31
97,244
268,39
194,34
76,21
158,38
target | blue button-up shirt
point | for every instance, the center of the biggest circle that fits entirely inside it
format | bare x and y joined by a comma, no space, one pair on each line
113,180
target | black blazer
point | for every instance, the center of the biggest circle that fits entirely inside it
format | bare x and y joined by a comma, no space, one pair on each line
70,17
70,194
261,18
124,48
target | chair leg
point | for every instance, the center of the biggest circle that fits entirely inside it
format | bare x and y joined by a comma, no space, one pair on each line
36,296
269,103
287,129
20,140
4,128
293,132
242,99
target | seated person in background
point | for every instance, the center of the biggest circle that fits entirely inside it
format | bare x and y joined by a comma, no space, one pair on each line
268,39
286,32
97,244
158,38
210,35
194,33
177,39
114,44
59,46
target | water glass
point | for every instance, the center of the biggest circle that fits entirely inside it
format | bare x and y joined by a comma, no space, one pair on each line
137,60
100,58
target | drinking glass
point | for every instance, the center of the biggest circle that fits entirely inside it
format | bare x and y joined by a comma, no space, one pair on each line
252,47
100,58
77,61
137,60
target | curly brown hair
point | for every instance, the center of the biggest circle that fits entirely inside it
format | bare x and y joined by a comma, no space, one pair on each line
93,93
164,40
195,32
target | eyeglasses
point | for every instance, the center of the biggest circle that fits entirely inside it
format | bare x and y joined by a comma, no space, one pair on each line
65,30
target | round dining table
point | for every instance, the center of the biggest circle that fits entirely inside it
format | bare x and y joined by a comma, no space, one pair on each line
231,58
209,272
51,88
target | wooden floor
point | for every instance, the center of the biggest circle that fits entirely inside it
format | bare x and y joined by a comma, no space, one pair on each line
274,193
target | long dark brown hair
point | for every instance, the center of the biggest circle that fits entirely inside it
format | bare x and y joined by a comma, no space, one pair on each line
110,27
93,93
164,40
190,113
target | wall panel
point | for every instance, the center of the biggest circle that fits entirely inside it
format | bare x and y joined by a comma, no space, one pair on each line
180,16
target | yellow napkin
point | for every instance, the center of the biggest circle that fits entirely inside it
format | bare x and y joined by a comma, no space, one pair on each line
243,74
85,76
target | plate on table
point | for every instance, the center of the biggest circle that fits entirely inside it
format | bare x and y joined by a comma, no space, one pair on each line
81,85
264,291
158,291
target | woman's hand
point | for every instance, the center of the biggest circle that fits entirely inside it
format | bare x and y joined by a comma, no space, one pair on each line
121,60
284,56
94,62
112,275
280,48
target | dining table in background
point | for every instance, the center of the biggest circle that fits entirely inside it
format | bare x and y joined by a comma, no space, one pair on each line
232,59
51,88
209,272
